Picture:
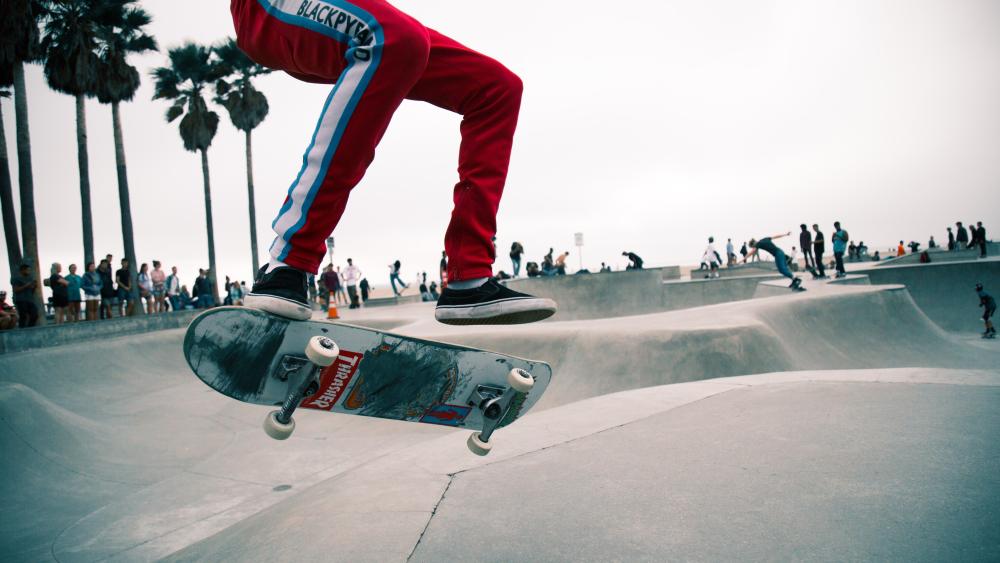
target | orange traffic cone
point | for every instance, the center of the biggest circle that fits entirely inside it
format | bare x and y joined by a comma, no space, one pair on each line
331,312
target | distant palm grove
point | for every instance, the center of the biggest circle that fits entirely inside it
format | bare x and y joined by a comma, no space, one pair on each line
84,47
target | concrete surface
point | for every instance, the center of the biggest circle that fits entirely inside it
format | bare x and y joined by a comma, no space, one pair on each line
838,423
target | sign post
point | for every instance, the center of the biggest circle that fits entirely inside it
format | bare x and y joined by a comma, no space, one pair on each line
579,246
329,247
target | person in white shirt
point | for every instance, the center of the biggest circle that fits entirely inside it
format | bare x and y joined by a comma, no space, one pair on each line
352,275
730,254
711,257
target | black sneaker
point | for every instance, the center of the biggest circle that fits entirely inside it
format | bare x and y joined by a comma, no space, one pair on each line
491,304
282,291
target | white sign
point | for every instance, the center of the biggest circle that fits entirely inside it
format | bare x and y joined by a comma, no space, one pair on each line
579,239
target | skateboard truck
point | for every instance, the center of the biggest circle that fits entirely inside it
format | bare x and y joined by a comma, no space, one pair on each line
495,402
320,352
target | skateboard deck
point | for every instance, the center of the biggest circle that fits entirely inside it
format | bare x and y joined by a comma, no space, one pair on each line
259,358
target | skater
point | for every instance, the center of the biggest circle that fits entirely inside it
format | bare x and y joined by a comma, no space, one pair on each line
989,305
780,260
394,277
375,56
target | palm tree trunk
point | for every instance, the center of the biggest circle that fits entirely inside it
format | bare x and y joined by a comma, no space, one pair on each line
253,212
7,201
126,210
26,182
83,162
212,274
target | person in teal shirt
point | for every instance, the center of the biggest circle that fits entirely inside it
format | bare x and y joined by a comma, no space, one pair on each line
73,288
839,246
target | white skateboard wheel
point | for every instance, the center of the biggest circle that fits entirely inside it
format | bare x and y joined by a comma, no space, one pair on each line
322,351
478,446
520,380
275,429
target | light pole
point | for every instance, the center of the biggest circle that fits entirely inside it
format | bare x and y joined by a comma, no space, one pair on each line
579,247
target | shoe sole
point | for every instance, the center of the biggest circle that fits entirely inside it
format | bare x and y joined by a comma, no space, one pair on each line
278,306
509,312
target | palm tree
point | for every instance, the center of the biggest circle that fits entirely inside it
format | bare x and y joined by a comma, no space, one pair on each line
71,68
247,108
119,34
192,69
18,45
7,200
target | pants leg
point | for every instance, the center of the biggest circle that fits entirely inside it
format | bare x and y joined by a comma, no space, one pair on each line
373,54
839,257
488,96
820,268
781,261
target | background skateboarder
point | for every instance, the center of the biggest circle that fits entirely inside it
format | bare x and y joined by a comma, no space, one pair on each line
780,260
990,308
375,56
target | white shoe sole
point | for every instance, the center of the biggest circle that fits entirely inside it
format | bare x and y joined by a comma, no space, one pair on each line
278,306
510,311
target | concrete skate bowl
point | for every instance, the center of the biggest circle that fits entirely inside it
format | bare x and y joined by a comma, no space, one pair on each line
622,294
114,449
848,327
944,290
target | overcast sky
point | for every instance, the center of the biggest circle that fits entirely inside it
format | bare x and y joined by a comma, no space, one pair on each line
648,128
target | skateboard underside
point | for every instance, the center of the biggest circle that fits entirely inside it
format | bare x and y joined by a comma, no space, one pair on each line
258,358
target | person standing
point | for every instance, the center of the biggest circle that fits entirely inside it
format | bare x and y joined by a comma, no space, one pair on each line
711,257
443,269
352,275
124,289
159,279
805,243
60,297
951,239
173,287
516,251
730,253
91,292
840,238
73,282
203,289
961,236
981,238
108,294
780,260
331,282
24,284
819,247
146,289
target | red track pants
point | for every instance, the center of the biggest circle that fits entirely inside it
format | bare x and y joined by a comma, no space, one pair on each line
376,56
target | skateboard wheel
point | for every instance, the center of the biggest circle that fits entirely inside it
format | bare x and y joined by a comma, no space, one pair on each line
275,429
520,380
322,351
478,446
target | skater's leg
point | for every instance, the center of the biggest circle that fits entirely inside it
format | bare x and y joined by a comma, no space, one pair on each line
488,96
819,264
373,54
781,261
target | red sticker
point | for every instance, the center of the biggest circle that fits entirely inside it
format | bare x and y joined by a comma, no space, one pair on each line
334,381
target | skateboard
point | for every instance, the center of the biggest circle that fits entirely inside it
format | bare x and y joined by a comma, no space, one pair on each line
259,358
